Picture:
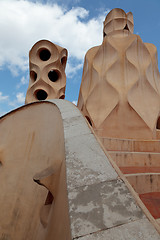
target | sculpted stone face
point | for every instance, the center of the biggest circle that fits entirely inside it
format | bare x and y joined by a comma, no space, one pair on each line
118,20
120,88
47,63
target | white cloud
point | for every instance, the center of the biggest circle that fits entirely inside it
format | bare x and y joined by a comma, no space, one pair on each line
23,81
23,23
20,97
3,98
71,68
18,100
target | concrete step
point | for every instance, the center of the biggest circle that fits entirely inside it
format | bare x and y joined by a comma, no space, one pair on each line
133,170
158,220
139,160
136,162
152,202
144,182
131,145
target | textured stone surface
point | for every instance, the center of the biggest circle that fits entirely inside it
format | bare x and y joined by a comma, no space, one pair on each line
138,230
75,126
131,145
120,84
86,162
32,151
67,108
152,202
74,123
42,56
101,206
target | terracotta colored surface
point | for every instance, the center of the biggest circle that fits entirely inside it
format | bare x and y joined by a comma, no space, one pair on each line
133,169
47,62
158,220
158,133
152,202
140,168
144,182
131,145
136,159
32,153
119,96
119,93
98,198
36,186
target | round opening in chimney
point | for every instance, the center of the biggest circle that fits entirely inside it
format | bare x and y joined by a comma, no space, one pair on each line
63,61
41,95
44,54
62,97
53,75
33,76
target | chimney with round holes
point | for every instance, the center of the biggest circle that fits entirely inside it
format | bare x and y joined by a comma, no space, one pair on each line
47,62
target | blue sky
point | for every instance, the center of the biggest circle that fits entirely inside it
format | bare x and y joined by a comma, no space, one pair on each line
73,24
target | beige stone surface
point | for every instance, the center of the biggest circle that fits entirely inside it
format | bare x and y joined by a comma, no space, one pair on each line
136,159
119,92
131,145
116,20
49,196
144,182
32,151
120,98
47,62
57,181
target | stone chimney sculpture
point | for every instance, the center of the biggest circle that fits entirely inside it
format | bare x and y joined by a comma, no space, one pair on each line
120,87
47,62
120,98
59,181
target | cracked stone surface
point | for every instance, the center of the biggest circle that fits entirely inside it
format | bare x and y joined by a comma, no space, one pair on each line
138,230
86,162
68,110
101,206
